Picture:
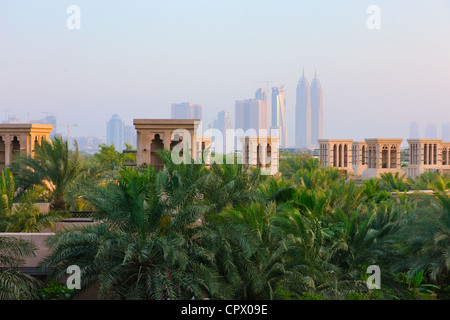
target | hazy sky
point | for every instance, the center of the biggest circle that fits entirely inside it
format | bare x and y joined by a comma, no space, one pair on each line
136,57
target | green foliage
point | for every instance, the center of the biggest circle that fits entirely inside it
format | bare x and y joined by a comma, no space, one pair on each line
56,291
53,166
25,216
226,232
110,159
15,285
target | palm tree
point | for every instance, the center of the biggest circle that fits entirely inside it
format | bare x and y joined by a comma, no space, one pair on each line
394,182
148,244
249,259
426,234
230,186
15,285
24,216
52,166
308,260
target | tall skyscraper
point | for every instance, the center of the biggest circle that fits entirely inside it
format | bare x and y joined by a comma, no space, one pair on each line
414,130
114,132
431,131
446,132
253,113
303,114
222,123
186,110
129,135
316,111
279,114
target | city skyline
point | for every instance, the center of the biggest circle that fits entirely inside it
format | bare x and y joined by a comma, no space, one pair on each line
119,62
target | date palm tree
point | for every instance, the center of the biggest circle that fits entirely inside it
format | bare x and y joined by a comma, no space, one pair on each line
53,166
15,285
24,216
426,235
147,245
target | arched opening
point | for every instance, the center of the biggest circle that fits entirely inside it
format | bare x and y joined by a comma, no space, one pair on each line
176,140
2,153
335,157
156,144
393,163
259,155
444,156
15,148
384,157
340,156
430,154
345,156
363,155
425,154
269,156
435,153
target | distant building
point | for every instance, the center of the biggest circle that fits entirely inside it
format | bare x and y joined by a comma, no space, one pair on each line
12,119
89,145
303,114
253,113
114,132
431,131
186,110
222,123
373,157
129,135
279,114
414,130
316,111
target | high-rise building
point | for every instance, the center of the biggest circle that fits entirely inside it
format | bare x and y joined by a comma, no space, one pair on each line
186,110
316,111
114,132
446,131
303,114
222,123
279,114
253,113
414,130
431,131
130,135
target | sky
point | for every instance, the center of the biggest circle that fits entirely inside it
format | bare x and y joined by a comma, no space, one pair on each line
137,57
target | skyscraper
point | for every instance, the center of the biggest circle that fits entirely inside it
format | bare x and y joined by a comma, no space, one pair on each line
222,123
114,132
186,110
303,114
316,111
129,135
279,114
414,130
253,113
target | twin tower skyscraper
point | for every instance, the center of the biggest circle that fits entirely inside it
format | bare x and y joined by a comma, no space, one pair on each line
254,113
308,112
